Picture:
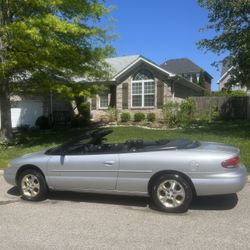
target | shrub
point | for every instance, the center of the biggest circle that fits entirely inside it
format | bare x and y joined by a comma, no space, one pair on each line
113,114
125,117
42,122
79,122
228,93
170,113
151,117
138,117
23,128
84,110
187,111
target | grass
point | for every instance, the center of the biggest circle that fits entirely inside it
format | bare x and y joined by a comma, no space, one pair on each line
236,133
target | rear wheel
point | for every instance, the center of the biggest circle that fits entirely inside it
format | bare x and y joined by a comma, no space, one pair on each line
172,193
32,185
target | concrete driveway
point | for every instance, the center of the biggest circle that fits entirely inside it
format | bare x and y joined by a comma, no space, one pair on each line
87,221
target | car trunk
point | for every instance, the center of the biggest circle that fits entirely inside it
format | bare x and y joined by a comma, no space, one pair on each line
219,147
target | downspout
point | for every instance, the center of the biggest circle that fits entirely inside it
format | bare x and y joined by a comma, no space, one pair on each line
173,90
173,86
51,107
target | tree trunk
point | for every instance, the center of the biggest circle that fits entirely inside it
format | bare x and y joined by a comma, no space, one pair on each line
5,109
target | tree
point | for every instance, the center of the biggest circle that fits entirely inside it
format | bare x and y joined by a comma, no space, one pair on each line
230,20
45,44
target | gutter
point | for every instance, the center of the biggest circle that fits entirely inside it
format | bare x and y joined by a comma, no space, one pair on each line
186,83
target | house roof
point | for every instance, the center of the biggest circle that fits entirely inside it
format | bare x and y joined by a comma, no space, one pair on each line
120,65
181,65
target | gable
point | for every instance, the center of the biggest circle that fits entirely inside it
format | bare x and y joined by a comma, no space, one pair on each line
138,64
118,64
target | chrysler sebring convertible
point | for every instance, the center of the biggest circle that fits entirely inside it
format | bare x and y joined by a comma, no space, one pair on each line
171,172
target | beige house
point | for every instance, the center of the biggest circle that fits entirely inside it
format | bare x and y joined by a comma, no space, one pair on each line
137,85
140,85
227,72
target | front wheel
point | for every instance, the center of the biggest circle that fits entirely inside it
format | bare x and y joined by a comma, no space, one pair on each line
172,193
32,185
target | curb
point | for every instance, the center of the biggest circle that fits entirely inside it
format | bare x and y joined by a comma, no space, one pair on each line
248,178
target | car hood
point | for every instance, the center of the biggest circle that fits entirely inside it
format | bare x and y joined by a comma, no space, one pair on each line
26,157
34,154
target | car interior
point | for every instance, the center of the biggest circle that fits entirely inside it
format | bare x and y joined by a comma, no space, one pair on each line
95,143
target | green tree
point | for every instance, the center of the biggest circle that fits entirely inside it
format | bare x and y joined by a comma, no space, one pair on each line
45,44
230,20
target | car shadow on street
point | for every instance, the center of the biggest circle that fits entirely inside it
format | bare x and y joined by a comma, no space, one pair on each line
13,191
215,202
100,198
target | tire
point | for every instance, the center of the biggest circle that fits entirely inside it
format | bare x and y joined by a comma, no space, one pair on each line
32,185
172,193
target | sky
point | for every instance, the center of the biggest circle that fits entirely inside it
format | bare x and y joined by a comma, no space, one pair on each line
163,29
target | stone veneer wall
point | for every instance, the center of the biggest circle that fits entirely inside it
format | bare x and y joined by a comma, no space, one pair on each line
99,114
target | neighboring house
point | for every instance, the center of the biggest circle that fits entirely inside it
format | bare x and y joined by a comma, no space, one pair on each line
188,69
226,75
140,85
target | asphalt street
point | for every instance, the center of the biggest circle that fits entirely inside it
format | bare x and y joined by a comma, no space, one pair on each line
87,221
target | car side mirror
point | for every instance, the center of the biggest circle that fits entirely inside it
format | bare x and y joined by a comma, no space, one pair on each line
63,153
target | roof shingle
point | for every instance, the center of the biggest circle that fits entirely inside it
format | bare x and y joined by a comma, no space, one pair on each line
181,65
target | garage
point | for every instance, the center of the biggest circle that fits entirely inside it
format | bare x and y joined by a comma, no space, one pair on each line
25,112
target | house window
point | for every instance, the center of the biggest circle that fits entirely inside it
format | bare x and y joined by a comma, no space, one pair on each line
143,89
104,100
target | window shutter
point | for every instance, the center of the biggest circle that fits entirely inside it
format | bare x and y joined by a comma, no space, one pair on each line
112,96
125,95
93,103
160,94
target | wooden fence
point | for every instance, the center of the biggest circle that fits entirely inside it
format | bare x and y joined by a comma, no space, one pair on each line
226,107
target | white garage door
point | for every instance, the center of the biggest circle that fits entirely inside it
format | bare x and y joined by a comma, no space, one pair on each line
26,112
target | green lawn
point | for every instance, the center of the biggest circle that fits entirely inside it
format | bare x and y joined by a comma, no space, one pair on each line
236,133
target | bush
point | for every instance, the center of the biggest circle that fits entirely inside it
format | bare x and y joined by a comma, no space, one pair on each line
125,117
151,117
23,128
84,110
228,93
113,114
170,113
138,117
79,122
187,111
42,122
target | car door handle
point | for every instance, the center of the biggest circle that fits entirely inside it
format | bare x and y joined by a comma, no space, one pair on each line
109,163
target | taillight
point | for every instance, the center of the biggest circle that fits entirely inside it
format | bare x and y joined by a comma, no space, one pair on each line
231,163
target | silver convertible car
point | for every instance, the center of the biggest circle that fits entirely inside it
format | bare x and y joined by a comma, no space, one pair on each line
172,172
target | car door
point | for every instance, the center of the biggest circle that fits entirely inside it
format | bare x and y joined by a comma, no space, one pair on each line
91,168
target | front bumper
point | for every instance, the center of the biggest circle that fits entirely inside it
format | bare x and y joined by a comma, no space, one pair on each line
10,176
223,183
